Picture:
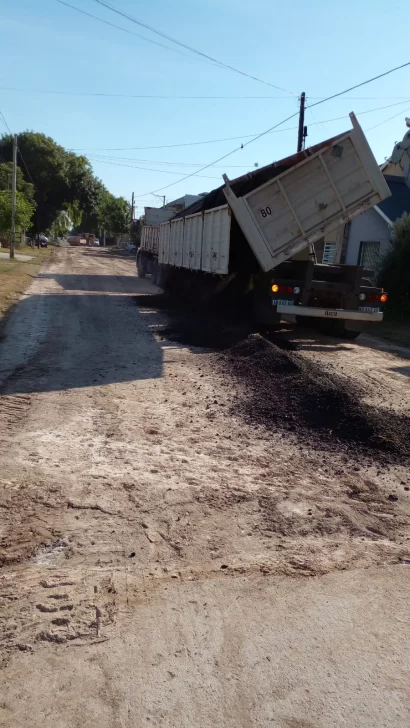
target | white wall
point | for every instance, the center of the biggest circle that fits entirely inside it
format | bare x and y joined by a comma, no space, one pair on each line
367,227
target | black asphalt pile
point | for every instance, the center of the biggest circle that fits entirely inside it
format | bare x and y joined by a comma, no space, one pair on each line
283,391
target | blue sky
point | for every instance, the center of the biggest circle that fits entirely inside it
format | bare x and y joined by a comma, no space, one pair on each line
315,46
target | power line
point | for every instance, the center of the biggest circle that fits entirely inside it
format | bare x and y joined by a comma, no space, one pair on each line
359,85
161,146
25,166
385,120
211,164
149,169
5,122
19,151
187,47
233,138
157,161
135,96
124,30
317,103
167,97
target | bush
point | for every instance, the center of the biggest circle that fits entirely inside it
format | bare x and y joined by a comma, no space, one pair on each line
394,273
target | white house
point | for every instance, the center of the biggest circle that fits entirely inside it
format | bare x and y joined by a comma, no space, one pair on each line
367,238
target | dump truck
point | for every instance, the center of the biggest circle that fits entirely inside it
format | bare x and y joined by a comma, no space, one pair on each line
254,238
147,252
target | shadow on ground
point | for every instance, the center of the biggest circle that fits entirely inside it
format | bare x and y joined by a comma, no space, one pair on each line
59,342
107,284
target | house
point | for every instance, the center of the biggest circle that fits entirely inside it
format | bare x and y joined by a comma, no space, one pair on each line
157,215
367,238
370,234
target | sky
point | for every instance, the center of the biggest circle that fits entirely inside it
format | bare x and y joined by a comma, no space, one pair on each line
143,145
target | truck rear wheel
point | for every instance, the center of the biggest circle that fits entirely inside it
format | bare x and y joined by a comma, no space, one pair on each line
349,334
339,330
154,272
141,269
161,275
265,315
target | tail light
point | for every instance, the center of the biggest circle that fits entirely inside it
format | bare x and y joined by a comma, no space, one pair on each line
290,290
374,297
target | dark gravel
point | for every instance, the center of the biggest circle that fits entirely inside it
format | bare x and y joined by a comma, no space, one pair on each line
282,391
285,392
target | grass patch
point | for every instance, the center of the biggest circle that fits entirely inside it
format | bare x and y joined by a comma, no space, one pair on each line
15,275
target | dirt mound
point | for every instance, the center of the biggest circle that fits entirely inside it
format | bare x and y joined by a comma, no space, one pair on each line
284,391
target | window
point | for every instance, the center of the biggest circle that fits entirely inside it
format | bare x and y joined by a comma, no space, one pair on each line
369,255
329,252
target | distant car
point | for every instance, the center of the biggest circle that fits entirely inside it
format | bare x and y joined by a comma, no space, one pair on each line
96,242
42,240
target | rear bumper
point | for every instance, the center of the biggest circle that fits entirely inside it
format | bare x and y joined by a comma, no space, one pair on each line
330,313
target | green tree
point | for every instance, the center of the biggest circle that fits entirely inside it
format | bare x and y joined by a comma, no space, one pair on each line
60,178
24,211
394,273
26,188
113,214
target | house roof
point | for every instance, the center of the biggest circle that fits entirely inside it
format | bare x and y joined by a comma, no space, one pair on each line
399,202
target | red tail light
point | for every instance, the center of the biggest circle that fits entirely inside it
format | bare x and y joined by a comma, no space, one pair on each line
278,288
375,297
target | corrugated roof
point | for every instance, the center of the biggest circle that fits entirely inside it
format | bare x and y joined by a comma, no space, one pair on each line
399,201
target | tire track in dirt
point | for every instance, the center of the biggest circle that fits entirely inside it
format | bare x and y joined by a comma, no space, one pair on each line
133,465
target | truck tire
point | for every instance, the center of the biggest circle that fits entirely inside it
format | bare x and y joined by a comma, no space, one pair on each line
141,270
160,275
349,334
338,329
154,272
263,316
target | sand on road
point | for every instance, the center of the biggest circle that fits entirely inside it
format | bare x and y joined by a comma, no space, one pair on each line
167,558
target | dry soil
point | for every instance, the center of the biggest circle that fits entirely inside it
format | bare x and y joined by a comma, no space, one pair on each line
200,525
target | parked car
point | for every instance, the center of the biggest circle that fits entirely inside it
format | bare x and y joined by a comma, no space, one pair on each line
96,242
41,240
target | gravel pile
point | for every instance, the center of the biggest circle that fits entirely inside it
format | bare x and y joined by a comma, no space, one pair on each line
284,391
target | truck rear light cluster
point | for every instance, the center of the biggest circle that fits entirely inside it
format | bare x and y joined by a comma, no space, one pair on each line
290,290
374,297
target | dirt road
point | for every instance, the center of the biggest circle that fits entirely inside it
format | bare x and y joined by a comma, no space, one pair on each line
184,541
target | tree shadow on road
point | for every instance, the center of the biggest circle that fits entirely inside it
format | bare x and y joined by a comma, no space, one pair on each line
107,284
58,342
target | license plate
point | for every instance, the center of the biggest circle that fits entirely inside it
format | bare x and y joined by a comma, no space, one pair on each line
281,302
368,309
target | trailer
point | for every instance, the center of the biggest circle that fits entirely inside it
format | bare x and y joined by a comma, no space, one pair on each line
255,237
147,252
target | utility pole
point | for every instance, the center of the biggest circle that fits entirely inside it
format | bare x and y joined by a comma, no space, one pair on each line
161,197
13,197
301,130
132,213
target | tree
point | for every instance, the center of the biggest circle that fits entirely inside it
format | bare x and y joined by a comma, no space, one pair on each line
114,214
394,273
60,178
24,211
26,188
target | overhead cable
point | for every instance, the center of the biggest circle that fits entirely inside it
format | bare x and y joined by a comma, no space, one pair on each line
124,30
228,139
188,47
258,136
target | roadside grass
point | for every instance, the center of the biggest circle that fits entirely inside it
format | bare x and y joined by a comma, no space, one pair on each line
15,275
